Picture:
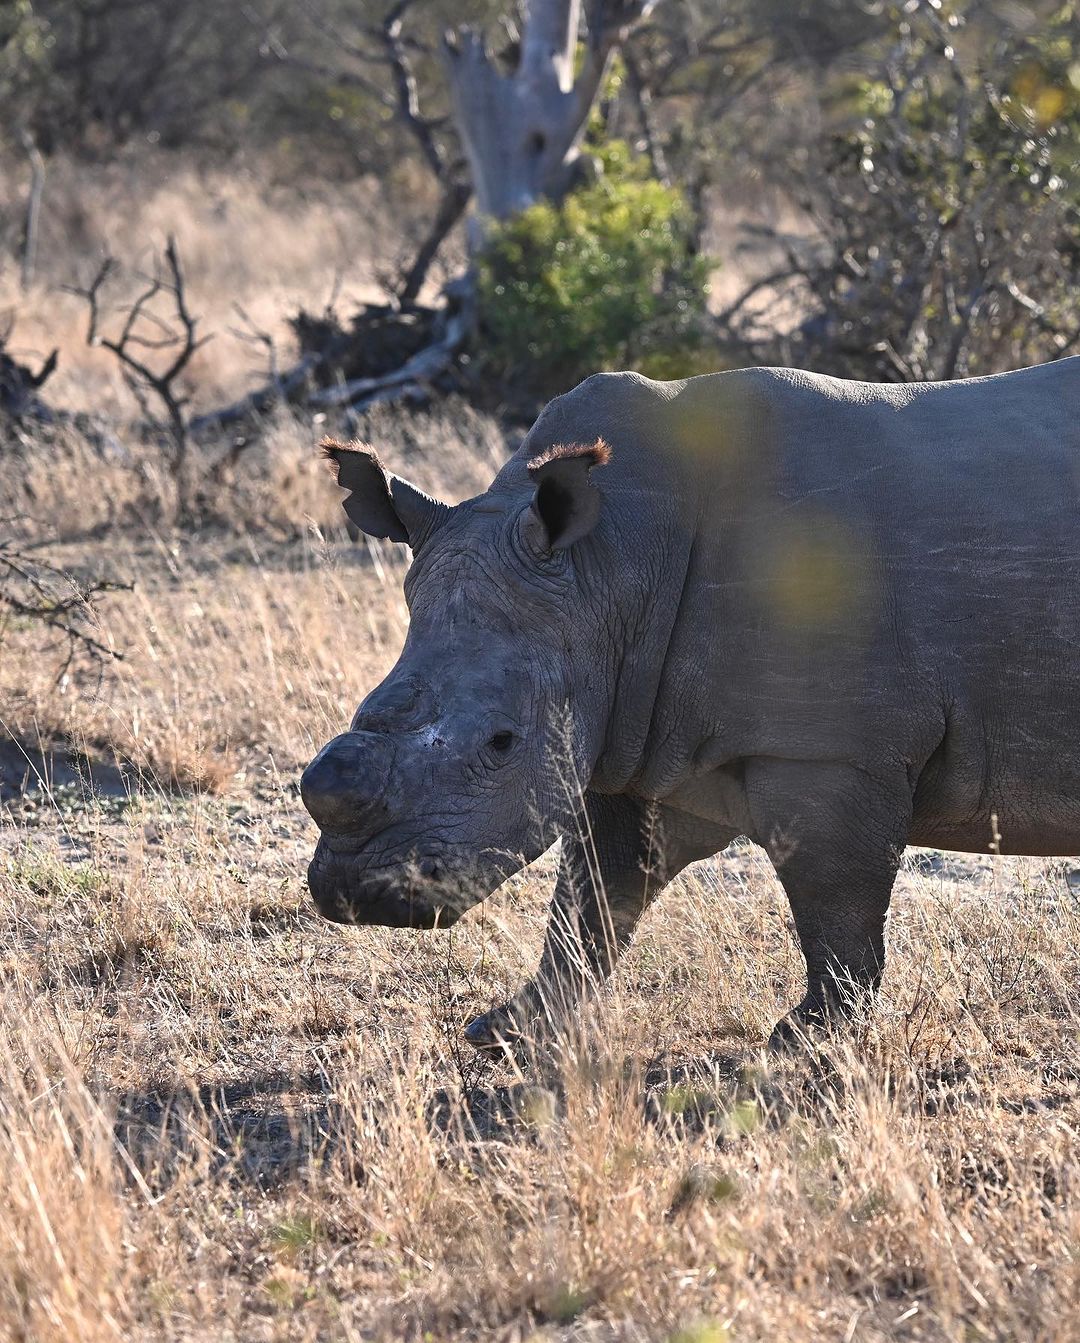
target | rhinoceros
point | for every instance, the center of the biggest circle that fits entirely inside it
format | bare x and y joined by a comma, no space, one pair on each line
836,618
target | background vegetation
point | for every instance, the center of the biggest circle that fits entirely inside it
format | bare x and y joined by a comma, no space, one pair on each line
226,230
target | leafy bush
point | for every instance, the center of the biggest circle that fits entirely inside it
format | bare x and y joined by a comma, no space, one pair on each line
945,209
607,279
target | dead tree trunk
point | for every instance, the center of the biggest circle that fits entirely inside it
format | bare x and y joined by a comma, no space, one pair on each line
522,130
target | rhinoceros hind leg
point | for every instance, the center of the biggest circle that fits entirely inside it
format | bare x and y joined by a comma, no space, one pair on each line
835,835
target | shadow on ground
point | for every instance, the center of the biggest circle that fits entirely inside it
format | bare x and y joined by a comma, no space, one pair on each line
31,770
259,1132
265,1130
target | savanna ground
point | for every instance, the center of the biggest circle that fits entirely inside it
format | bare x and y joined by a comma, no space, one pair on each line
223,1118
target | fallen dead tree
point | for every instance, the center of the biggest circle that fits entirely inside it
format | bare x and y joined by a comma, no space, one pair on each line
387,352
422,370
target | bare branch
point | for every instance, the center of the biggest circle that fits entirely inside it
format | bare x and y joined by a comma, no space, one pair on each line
183,338
609,23
33,208
642,96
388,49
252,335
408,100
452,207
35,589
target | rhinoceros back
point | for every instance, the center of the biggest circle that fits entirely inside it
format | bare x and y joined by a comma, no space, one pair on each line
878,573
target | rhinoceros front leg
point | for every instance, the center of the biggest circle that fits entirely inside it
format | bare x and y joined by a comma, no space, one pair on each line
835,836
622,855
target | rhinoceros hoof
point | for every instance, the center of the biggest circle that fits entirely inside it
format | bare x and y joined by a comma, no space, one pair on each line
790,1036
494,1033
802,1029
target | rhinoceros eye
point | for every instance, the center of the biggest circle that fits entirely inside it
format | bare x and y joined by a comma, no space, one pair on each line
501,742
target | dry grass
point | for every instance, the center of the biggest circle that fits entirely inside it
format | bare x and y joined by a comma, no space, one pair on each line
246,641
243,238
221,1118
267,246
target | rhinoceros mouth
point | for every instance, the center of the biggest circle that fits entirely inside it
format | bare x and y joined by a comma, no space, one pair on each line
418,893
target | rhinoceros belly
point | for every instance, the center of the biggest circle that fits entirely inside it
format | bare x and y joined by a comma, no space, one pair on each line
1006,776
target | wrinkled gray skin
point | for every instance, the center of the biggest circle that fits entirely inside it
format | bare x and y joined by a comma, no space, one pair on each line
836,618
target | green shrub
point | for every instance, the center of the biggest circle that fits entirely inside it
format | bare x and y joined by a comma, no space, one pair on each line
607,279
946,208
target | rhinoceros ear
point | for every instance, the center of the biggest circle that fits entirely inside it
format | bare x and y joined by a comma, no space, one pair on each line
379,503
566,504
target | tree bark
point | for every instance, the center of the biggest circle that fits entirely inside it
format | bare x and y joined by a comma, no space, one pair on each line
522,130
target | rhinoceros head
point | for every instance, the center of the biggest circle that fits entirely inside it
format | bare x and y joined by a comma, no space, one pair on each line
458,767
